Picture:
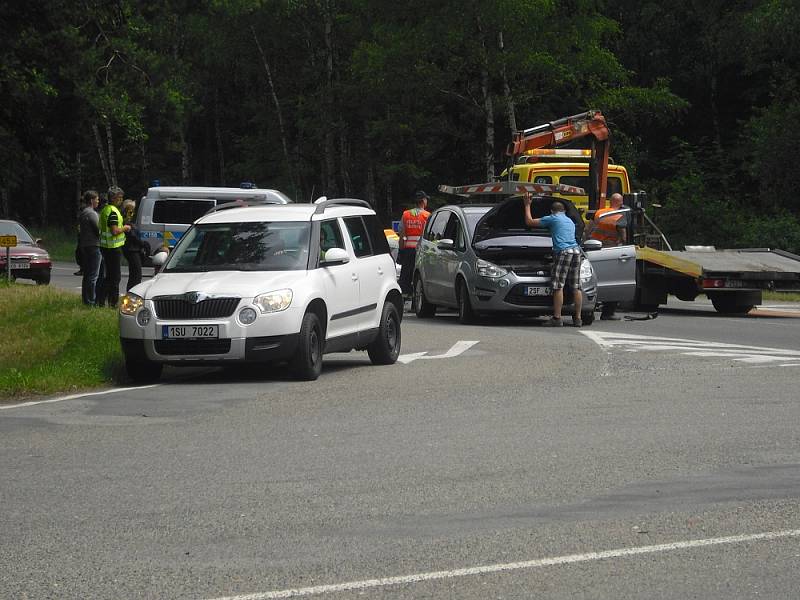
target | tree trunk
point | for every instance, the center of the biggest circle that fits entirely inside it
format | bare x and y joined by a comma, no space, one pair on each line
370,179
510,109
78,180
185,166
112,161
42,192
4,205
218,135
344,164
488,107
278,110
101,153
331,189
145,163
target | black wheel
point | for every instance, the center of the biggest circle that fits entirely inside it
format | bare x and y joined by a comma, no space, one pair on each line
385,348
465,313
44,279
587,318
728,306
422,308
142,370
307,361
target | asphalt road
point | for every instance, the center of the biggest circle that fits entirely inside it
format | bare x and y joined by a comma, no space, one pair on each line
631,459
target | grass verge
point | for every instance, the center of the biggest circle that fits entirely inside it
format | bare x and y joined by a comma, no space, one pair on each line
781,296
50,342
60,244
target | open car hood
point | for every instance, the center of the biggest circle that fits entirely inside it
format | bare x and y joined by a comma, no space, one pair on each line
504,225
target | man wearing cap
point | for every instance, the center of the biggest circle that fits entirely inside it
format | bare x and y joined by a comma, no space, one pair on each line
411,225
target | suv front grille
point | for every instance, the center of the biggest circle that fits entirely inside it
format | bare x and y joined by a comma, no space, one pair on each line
180,308
188,347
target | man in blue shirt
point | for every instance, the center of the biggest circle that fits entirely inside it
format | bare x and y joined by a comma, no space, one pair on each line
566,258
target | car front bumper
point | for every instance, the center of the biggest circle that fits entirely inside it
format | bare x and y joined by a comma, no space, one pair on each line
506,295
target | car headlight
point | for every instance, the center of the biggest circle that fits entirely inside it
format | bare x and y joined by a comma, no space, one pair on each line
491,270
130,303
586,270
273,301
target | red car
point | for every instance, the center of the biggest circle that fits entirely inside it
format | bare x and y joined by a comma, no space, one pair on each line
28,260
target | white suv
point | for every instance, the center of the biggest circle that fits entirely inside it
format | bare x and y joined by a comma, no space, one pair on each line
268,283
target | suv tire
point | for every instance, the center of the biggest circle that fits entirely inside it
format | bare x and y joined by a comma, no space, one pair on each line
306,364
385,348
142,370
422,308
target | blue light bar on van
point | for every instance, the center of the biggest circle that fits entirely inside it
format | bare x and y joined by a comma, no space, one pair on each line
155,183
247,185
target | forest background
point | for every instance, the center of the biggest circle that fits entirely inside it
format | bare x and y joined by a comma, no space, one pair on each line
377,98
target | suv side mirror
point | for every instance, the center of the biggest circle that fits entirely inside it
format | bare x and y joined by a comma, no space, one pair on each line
335,256
592,245
446,244
38,241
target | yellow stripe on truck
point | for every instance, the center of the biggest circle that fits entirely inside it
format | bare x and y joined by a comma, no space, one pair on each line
673,263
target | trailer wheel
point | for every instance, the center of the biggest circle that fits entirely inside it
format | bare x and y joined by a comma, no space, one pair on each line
727,306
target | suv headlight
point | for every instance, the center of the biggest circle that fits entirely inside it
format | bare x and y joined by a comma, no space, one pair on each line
273,301
491,270
586,271
130,303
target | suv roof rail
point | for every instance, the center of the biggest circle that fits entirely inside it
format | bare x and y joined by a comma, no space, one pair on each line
323,204
242,202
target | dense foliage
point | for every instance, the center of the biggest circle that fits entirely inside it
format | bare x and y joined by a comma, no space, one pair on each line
372,98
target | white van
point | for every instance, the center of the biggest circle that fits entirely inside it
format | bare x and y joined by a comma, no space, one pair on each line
165,213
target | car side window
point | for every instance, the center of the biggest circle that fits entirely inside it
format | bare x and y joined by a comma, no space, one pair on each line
380,245
358,236
435,230
454,231
330,236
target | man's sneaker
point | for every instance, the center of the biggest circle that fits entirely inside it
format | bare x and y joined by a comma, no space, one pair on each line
553,322
609,317
577,322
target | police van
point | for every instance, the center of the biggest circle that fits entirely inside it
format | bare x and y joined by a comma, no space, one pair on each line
165,213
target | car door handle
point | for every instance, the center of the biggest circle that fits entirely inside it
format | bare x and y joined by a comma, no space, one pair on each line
380,270
625,256
354,277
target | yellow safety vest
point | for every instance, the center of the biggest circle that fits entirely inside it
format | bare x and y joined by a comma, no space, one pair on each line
107,238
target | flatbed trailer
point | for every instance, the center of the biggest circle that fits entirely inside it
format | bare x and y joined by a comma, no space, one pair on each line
733,280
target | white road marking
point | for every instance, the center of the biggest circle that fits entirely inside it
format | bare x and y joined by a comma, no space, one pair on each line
738,352
458,348
82,395
529,564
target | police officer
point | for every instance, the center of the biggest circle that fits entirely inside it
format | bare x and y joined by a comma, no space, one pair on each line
112,239
411,225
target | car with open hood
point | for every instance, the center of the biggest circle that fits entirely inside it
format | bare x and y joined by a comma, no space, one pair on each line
484,259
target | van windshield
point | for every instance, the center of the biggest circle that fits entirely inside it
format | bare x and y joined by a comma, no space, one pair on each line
258,246
181,211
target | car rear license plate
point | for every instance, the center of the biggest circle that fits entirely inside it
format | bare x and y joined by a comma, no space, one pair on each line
536,290
21,265
189,332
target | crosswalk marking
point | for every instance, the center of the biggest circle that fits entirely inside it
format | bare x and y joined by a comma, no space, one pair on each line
706,349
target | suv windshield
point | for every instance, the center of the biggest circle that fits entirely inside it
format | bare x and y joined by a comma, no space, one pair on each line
257,246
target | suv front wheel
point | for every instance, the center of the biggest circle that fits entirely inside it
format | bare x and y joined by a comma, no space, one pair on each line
307,361
385,348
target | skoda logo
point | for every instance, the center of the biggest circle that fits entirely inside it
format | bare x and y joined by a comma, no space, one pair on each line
194,297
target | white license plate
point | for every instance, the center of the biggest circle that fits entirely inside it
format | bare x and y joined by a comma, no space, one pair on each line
536,290
191,332
20,265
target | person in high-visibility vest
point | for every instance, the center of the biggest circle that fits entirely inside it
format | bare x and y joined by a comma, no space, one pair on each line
611,231
112,239
412,223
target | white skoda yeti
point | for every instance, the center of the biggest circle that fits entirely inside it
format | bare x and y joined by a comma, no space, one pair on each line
268,283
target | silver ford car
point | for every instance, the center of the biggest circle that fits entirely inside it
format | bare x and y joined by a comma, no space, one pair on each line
483,259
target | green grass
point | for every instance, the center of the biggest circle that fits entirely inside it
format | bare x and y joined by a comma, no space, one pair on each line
50,342
782,296
59,244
